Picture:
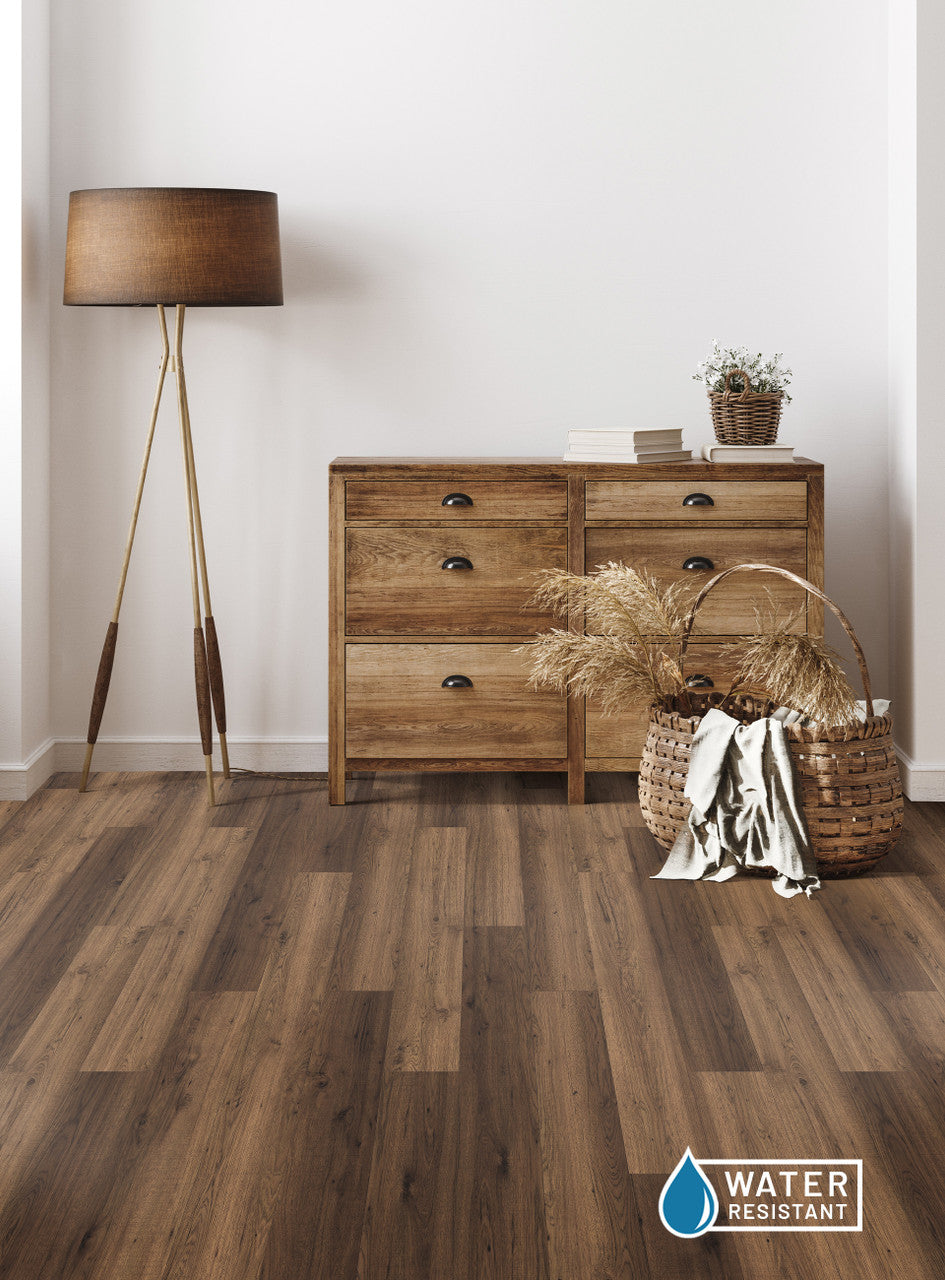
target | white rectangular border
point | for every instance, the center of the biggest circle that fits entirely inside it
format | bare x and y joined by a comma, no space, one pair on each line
799,1160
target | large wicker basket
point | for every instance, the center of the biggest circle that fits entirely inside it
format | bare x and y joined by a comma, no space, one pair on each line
847,777
745,417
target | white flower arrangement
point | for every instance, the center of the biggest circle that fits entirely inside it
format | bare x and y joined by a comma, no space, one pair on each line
766,373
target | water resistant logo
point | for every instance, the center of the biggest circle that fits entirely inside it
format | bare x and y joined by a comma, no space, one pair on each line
762,1195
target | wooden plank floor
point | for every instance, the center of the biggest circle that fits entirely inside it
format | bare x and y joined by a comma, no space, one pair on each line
452,1030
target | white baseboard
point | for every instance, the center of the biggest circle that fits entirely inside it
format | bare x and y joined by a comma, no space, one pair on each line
145,755
269,755
920,782
19,781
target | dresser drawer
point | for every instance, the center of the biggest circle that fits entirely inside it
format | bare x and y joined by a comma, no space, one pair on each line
396,705
623,735
666,500
471,500
730,609
396,583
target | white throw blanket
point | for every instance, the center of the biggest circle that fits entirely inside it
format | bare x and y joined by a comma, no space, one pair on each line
744,809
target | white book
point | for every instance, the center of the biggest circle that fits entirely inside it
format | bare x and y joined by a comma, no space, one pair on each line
660,447
609,436
626,450
716,452
670,455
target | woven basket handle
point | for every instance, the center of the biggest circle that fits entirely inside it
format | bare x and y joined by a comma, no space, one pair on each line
809,588
729,376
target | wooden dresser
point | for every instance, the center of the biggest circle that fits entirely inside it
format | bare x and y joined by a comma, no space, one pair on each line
433,561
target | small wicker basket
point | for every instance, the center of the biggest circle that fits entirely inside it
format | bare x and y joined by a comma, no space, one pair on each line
847,777
745,417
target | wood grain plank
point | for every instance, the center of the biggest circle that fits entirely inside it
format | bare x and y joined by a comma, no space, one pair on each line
493,867
141,1019
782,1025
56,1210
291,837
499,1130
36,828
57,931
853,1025
589,1206
153,883
882,929
411,1225
708,1017
329,1135
8,810
61,1034
558,946
29,1108
185,1113
916,915
249,798
710,1257
227,1223
425,1015
907,1124
919,1020
659,1118
372,929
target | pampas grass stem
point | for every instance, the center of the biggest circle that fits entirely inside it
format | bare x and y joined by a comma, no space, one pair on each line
622,657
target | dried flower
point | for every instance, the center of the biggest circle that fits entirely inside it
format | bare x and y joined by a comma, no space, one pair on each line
617,600
796,671
629,653
765,373
630,621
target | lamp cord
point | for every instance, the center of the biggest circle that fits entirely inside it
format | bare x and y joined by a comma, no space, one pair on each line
280,777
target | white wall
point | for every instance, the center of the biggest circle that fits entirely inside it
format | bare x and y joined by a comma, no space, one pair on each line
25,745
917,411
36,381
500,220
11,405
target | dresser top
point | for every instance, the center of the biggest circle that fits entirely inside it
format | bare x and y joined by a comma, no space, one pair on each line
546,468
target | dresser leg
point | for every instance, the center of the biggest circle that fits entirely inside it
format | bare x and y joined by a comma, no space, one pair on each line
336,787
576,783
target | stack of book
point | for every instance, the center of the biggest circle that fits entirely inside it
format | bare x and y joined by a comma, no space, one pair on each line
617,444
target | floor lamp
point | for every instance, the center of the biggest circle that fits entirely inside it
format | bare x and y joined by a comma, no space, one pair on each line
173,247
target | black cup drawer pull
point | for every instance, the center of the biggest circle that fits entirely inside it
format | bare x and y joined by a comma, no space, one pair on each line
457,500
697,562
460,562
457,682
697,500
699,682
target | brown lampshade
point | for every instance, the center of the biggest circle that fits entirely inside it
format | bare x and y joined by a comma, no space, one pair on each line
200,246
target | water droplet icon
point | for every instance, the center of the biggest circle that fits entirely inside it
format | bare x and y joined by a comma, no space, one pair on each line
688,1203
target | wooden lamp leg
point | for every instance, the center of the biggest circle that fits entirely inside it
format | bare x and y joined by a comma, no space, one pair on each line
201,668
103,678
213,648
